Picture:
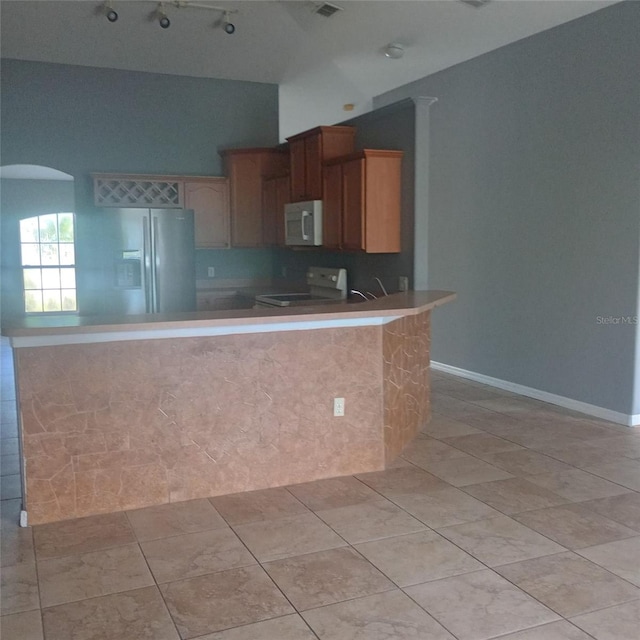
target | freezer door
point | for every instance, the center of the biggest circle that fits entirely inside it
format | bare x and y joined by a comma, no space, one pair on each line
129,262
173,260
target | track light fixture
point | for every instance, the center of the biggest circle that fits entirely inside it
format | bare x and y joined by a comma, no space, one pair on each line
228,26
224,22
109,12
163,18
106,9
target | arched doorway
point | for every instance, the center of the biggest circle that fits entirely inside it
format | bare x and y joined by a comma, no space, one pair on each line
37,207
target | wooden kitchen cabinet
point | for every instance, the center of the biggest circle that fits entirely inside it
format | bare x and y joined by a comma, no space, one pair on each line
209,199
275,194
308,150
362,202
332,207
208,196
124,190
246,169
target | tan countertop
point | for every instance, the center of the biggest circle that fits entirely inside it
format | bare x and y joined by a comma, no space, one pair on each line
227,321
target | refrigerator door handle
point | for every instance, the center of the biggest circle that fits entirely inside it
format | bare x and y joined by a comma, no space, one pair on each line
156,265
148,271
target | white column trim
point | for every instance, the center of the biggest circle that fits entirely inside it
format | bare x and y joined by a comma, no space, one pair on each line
421,192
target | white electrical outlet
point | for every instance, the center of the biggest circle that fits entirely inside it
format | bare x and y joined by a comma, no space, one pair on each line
403,283
211,272
338,407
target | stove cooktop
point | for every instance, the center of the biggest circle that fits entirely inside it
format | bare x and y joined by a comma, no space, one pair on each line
325,285
293,299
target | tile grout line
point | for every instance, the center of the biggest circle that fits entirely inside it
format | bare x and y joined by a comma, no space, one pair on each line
486,567
284,595
524,448
257,563
155,581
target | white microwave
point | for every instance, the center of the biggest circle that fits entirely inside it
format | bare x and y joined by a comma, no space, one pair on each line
303,223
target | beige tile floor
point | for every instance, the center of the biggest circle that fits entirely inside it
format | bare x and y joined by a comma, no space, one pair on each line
507,518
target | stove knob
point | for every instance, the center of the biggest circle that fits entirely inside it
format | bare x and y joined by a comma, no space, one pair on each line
334,278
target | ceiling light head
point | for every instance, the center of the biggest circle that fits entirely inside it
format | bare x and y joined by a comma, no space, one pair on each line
163,18
394,51
228,27
109,12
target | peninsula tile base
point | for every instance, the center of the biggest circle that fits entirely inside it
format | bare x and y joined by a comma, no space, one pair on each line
121,425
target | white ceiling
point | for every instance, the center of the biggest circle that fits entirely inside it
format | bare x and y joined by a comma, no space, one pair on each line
278,41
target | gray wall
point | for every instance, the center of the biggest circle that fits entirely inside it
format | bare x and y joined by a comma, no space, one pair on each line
81,120
392,127
636,390
534,208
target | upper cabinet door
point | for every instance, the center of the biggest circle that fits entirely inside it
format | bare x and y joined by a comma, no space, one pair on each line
370,203
269,212
209,199
245,180
332,207
298,170
353,204
313,167
383,195
308,151
283,196
246,169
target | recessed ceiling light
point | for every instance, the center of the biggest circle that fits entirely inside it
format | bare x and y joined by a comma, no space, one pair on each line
394,50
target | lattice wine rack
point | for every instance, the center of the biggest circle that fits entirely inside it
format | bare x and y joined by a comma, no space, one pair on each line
137,191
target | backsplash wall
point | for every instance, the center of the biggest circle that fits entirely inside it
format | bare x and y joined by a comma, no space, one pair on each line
234,264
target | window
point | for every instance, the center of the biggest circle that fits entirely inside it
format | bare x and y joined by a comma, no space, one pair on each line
48,263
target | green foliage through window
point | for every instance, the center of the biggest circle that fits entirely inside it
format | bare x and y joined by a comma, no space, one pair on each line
48,263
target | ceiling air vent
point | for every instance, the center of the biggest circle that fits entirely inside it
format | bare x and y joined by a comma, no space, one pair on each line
476,3
327,9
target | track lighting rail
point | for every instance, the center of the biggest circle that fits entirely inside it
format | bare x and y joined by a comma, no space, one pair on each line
161,16
185,4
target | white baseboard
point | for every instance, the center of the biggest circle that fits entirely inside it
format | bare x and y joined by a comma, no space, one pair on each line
628,420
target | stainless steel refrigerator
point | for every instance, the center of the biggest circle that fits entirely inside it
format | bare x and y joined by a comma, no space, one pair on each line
152,260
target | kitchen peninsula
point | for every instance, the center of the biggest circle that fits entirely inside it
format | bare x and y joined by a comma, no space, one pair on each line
121,413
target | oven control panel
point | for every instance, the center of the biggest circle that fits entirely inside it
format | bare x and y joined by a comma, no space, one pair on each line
327,281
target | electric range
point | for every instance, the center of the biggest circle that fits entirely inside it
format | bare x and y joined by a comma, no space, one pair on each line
326,285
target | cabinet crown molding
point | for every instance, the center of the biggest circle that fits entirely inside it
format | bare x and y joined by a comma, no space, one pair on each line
366,153
159,177
253,150
338,129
